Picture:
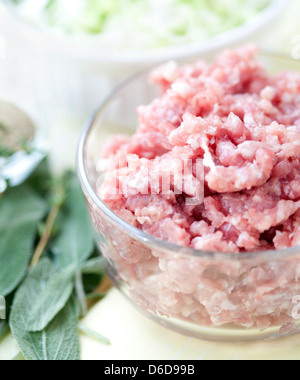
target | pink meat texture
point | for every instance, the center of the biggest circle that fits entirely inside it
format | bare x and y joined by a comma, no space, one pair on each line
244,124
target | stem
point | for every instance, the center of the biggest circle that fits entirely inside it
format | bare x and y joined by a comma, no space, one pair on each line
95,296
93,334
80,293
48,231
104,286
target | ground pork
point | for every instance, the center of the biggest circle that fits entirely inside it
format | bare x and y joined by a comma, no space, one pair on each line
243,126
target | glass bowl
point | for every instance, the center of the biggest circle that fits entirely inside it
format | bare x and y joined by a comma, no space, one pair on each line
183,289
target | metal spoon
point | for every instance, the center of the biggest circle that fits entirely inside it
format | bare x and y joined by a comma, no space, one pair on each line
15,128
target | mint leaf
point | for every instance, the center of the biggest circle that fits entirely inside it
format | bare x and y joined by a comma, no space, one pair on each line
75,242
21,209
59,340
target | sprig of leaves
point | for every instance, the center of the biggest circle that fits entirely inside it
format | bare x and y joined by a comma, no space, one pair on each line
20,211
52,336
48,265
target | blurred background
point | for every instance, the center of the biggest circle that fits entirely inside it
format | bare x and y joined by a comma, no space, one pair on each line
59,60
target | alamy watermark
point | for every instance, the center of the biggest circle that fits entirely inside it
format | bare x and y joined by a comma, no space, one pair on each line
128,175
2,308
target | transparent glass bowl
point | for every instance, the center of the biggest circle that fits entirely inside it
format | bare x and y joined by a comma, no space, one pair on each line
180,288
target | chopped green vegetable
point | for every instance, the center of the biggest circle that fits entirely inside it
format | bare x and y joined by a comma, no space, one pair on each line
143,24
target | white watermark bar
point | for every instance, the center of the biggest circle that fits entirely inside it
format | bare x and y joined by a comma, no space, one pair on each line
2,308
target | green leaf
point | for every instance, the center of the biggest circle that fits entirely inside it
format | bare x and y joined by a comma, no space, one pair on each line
20,211
43,295
50,301
59,340
75,243
94,266
4,328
